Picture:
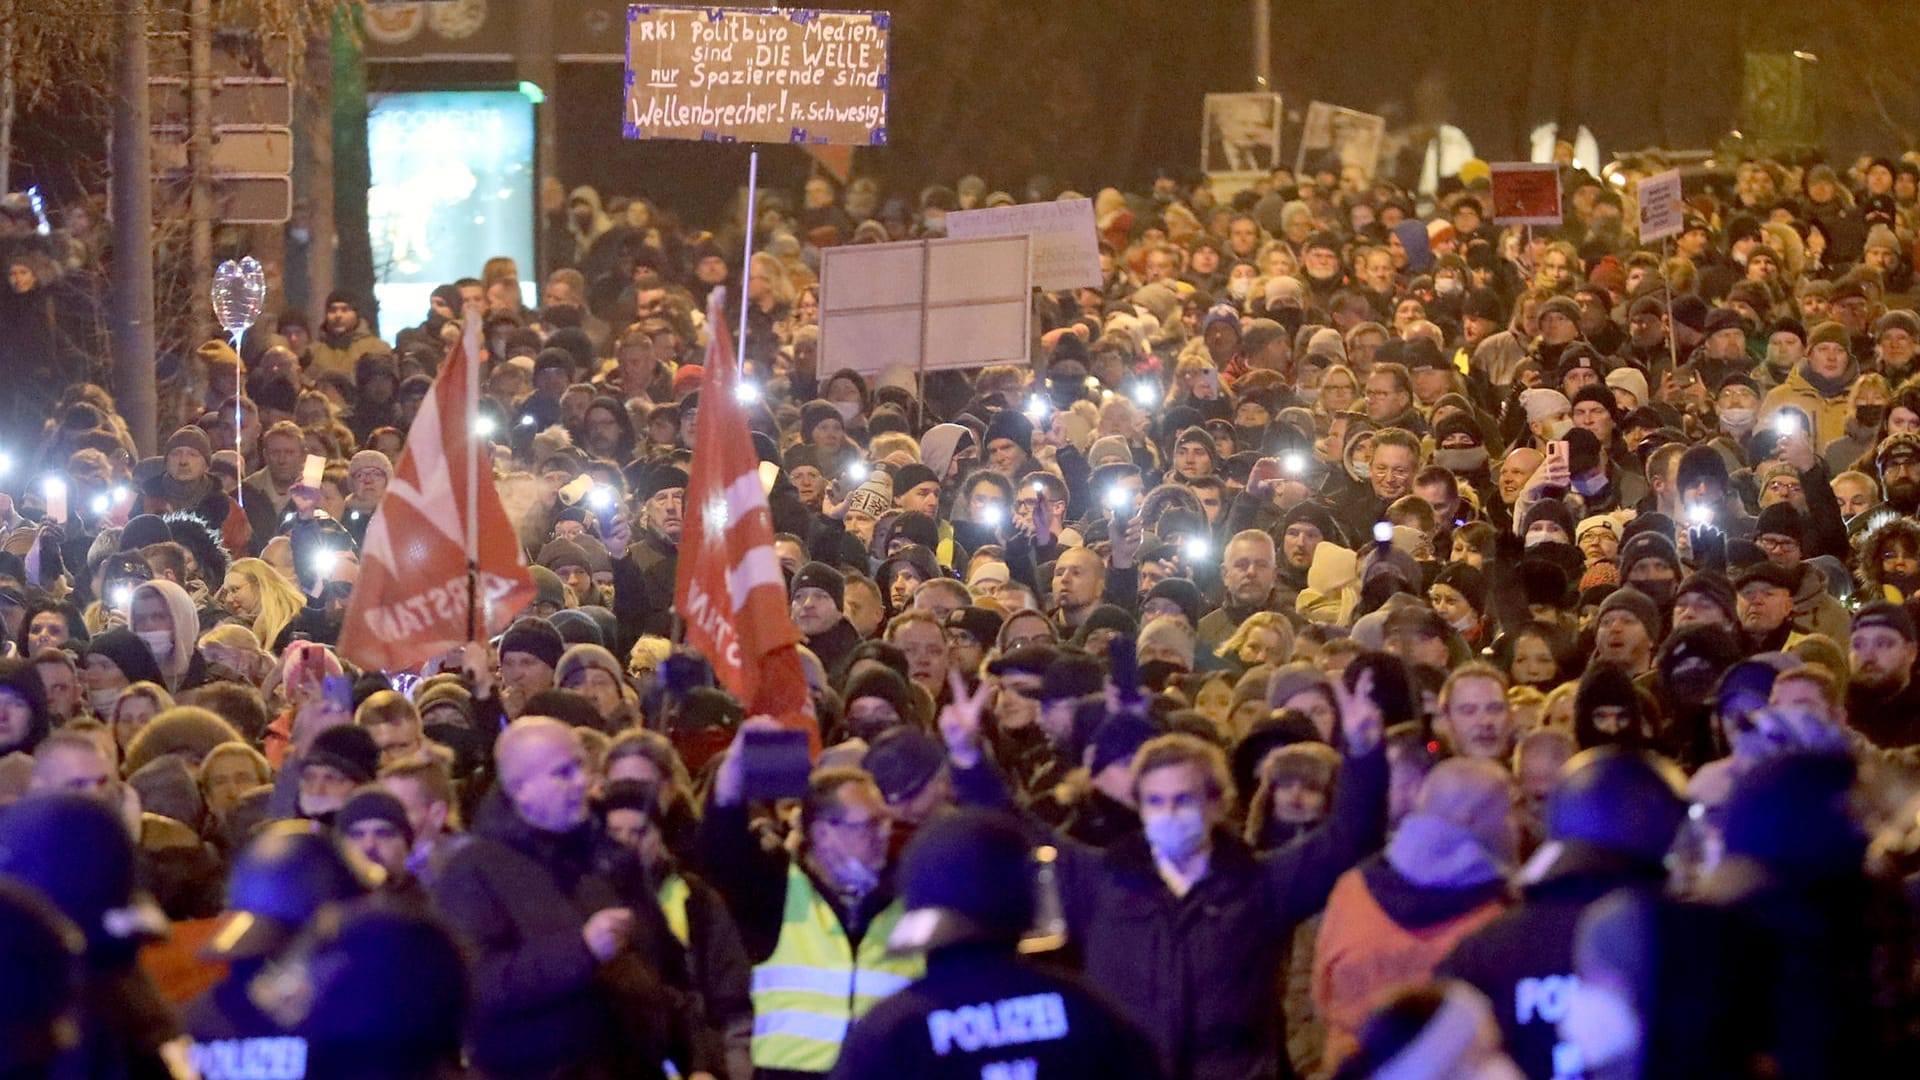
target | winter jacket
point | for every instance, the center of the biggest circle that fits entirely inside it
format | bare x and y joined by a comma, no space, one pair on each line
1523,959
541,1000
1383,932
342,354
217,509
1198,972
1830,414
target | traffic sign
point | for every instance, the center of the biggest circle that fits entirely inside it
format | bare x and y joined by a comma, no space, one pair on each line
234,151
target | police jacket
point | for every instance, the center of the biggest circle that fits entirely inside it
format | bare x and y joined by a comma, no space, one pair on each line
981,1012
1198,973
1523,959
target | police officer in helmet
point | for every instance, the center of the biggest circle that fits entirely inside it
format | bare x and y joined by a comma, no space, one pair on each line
969,883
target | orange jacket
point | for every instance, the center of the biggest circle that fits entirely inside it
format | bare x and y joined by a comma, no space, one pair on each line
1363,956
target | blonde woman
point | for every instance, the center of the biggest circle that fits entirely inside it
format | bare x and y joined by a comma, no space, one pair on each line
258,594
234,648
165,621
1266,637
136,706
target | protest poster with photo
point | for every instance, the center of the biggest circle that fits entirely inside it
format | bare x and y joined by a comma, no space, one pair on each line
1353,137
742,75
1241,133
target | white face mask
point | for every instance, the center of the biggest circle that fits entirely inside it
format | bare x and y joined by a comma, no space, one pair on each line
159,643
847,410
1601,1025
103,701
1238,288
1736,419
1175,834
1557,429
1446,286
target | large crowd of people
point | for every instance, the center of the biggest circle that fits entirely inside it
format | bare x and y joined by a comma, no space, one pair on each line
1367,641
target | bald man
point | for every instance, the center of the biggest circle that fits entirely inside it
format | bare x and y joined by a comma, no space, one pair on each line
552,932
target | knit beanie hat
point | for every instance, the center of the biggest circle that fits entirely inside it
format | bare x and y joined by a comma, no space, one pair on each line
1828,333
818,575
348,748
1637,604
873,498
536,637
191,438
582,657
372,804
1013,425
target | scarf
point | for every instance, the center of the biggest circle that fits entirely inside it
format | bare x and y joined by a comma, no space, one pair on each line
1831,388
186,495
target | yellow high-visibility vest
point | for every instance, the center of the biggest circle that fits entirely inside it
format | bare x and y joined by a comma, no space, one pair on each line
815,984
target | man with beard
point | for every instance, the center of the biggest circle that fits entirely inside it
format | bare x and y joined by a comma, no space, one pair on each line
1883,703
643,581
344,338
814,921
1899,461
1304,528
1320,261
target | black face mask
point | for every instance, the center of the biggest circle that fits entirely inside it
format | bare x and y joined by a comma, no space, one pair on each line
1869,416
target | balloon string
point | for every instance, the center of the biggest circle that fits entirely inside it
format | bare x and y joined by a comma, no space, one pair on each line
239,385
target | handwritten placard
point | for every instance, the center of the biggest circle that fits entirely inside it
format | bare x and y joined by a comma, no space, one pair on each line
1066,251
753,75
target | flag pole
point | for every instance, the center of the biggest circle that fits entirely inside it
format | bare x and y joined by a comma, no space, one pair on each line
470,350
746,260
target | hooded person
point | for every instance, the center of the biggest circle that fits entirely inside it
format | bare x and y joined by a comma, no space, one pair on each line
1609,710
1390,921
1820,385
1610,821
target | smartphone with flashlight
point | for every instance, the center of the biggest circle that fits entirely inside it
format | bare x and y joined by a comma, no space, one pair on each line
1559,450
313,470
55,490
1785,424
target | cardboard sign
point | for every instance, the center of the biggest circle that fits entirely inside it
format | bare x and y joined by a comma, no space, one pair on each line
1353,136
1065,248
1663,212
926,304
745,75
1526,193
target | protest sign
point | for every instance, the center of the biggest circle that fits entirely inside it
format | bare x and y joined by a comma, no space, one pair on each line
1066,251
1526,193
1241,133
1353,136
742,75
1662,211
926,304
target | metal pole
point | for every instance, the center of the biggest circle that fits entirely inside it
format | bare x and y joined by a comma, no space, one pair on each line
470,359
7,29
746,262
200,161
1666,279
1262,43
131,205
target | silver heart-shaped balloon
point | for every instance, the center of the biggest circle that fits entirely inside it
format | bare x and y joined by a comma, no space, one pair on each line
239,294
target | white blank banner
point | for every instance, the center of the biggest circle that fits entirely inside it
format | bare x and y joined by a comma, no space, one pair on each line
968,302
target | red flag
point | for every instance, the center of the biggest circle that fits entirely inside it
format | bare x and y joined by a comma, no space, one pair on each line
730,592
410,602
